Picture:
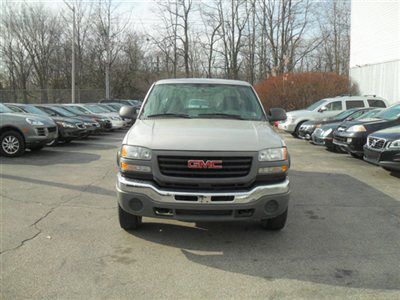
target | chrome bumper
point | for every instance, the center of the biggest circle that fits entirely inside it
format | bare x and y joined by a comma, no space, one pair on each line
125,185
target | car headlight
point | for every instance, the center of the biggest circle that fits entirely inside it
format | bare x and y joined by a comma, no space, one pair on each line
116,118
327,132
135,152
34,122
356,128
394,145
66,124
273,154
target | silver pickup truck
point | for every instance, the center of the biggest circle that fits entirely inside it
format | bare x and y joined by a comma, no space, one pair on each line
203,150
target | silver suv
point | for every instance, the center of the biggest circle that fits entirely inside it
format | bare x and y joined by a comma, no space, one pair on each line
325,108
203,150
21,131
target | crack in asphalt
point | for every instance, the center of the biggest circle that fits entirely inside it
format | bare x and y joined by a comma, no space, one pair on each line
52,209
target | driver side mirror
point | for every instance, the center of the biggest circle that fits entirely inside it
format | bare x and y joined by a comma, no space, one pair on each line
276,114
322,109
128,112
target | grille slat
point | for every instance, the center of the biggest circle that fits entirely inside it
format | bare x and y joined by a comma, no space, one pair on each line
177,166
376,143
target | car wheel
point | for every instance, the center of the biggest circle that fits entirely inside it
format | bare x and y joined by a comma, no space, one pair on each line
296,131
36,148
12,144
276,223
128,221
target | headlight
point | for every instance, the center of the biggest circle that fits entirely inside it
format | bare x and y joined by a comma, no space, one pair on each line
394,145
34,122
274,154
135,152
116,118
66,124
356,128
327,132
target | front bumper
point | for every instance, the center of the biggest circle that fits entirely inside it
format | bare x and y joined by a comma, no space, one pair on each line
351,142
117,124
42,136
144,199
383,157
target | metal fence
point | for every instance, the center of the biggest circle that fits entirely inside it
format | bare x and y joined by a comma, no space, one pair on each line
52,96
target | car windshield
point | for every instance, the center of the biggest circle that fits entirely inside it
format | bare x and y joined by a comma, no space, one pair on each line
34,110
4,109
316,104
369,114
62,111
106,108
343,115
74,110
391,113
81,109
217,101
96,109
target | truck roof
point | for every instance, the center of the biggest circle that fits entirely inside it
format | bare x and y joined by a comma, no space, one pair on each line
203,81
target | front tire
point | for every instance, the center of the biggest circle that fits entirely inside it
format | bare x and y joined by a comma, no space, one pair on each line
276,223
12,144
295,133
128,221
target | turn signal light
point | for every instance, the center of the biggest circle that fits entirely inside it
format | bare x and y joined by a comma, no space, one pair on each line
272,170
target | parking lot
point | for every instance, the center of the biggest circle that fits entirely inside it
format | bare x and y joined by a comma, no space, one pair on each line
61,237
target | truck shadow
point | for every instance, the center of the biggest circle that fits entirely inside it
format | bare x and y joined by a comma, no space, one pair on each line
340,232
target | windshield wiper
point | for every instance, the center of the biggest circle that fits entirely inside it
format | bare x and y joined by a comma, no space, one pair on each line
222,115
169,115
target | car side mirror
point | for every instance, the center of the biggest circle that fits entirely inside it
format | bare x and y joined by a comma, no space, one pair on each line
322,109
276,114
128,112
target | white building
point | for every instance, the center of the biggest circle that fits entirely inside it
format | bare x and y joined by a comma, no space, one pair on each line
375,47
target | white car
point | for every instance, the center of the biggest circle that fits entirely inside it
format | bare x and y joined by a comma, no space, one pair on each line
326,108
116,120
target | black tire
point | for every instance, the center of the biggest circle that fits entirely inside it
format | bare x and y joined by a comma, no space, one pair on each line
128,221
12,144
36,148
295,133
276,223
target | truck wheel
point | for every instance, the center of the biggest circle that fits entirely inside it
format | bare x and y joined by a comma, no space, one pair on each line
12,144
128,221
276,223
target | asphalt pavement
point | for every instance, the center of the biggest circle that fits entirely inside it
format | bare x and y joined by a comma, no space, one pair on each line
60,236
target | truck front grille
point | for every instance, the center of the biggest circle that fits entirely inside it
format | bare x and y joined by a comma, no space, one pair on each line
41,131
177,166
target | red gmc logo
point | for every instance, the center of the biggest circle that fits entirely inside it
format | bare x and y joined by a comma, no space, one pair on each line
201,164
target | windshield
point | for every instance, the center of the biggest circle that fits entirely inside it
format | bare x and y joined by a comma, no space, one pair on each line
203,101
343,115
316,104
96,109
62,111
4,109
81,109
106,108
34,110
369,114
391,113
73,110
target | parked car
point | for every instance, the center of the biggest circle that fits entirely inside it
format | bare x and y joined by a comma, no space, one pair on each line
68,128
323,136
352,136
223,162
116,120
105,123
123,102
383,148
326,108
24,131
111,109
307,128
115,107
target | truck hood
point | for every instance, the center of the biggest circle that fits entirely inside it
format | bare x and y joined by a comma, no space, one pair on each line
203,135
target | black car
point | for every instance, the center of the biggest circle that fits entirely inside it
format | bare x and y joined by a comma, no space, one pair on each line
91,126
105,123
352,136
307,128
68,129
323,135
383,148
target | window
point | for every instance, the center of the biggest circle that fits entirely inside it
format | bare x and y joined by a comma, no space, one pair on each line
337,105
376,103
354,103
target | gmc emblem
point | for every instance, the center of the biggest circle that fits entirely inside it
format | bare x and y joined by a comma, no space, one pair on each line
201,164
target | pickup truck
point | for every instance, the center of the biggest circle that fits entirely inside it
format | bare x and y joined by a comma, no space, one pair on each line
219,161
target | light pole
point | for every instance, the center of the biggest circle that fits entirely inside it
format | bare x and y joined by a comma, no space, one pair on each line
72,8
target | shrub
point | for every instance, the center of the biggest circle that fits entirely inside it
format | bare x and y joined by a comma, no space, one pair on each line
298,90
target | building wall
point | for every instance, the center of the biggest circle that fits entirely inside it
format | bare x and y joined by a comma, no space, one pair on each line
375,47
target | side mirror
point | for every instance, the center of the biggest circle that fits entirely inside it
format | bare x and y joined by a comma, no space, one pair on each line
276,114
322,109
128,112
